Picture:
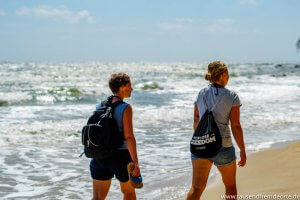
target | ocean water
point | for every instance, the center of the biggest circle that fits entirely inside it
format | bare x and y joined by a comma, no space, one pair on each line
43,107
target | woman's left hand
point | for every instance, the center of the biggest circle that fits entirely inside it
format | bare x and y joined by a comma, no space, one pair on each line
136,170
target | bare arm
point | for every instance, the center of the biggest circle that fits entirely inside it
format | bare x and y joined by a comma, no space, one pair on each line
237,132
196,116
130,139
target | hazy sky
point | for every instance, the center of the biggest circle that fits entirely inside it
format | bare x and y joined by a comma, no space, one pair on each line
149,30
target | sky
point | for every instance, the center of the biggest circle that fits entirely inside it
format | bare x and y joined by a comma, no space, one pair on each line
149,30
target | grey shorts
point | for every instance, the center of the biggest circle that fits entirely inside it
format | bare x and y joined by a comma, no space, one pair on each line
226,156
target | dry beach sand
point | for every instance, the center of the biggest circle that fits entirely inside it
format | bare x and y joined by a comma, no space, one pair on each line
271,172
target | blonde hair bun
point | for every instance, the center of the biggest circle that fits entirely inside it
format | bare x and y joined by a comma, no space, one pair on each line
215,70
207,76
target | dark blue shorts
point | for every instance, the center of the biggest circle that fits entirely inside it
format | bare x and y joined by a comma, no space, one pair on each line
105,169
225,156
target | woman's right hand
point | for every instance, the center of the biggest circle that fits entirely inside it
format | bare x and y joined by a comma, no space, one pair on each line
243,160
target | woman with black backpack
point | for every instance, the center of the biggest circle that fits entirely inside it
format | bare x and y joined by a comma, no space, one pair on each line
103,170
225,107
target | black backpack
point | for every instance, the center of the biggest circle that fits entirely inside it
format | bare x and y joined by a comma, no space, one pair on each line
101,136
206,141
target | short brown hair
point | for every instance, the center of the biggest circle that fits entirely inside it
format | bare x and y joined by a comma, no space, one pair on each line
215,70
118,80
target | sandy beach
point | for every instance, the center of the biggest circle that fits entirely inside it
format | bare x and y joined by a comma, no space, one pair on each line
271,172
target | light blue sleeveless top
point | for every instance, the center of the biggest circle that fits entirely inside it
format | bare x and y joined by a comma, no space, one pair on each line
118,115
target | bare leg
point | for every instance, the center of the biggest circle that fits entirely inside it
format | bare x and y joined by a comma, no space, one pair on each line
201,169
100,189
228,173
128,191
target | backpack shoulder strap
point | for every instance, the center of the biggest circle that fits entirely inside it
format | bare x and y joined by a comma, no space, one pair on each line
113,105
217,102
205,99
213,105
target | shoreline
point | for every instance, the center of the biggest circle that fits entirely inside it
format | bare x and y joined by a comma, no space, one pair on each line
268,172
